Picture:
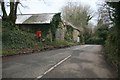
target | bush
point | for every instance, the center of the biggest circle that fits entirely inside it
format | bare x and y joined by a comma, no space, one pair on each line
111,48
95,40
14,38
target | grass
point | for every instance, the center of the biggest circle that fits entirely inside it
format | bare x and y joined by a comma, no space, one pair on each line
52,45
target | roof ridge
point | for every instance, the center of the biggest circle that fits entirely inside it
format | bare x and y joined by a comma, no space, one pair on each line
36,14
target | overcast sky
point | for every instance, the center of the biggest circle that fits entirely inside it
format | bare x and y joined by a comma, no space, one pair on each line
53,6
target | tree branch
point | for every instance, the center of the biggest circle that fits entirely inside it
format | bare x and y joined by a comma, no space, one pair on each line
109,12
22,5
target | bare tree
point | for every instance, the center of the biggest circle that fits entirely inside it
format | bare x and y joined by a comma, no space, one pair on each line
105,13
76,14
13,4
79,16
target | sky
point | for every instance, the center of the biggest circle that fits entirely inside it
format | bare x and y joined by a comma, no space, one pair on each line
53,6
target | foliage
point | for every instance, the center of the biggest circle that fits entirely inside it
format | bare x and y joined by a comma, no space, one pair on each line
112,44
33,28
87,34
111,48
113,40
102,32
79,16
94,40
69,33
99,36
15,38
76,14
54,24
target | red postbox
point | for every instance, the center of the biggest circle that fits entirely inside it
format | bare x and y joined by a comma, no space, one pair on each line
38,34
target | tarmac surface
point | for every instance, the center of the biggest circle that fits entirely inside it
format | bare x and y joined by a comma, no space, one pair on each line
84,61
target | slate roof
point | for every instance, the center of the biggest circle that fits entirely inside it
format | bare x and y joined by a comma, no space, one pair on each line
39,19
34,18
68,23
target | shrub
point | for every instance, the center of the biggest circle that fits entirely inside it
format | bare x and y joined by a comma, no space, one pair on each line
95,40
111,47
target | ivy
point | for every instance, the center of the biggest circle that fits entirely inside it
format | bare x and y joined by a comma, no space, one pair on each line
54,24
69,34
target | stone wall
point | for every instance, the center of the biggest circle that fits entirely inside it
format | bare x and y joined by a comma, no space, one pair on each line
60,33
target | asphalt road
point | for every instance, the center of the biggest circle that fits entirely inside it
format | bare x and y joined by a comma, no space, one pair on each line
85,61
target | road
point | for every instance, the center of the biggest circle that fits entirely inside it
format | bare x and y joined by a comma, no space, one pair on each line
84,61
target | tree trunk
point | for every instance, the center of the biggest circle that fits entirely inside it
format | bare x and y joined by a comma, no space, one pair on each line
13,11
4,17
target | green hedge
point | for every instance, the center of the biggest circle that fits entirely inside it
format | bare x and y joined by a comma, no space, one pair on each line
111,48
95,40
14,38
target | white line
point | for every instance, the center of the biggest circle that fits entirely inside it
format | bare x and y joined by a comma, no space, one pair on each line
53,67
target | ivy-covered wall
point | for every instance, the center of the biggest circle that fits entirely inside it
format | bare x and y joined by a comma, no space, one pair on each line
55,24
60,33
54,31
48,31
44,28
69,33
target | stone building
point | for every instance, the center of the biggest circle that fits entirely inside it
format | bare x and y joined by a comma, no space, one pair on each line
75,32
42,22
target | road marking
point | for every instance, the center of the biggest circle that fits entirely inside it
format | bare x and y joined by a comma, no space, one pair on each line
53,67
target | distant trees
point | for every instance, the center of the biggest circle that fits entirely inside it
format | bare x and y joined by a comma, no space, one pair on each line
104,25
76,14
109,29
101,32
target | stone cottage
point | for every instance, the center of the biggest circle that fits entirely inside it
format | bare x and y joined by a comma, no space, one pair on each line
36,22
72,32
42,22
